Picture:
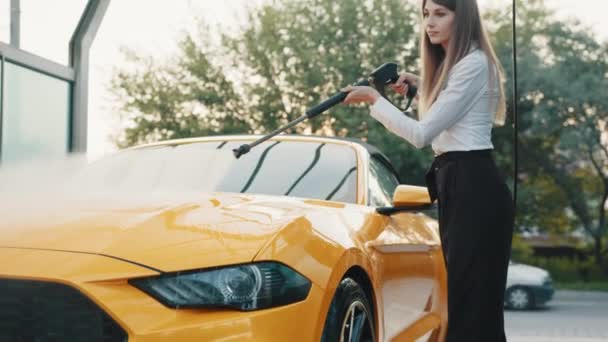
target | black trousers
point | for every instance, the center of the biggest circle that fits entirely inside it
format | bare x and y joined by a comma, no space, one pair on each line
476,227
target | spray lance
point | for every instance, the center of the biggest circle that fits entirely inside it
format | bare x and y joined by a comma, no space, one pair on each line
381,77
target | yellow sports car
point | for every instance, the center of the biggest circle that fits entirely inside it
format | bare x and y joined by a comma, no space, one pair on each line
302,239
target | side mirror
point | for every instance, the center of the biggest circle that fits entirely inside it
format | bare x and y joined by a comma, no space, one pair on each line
410,195
408,198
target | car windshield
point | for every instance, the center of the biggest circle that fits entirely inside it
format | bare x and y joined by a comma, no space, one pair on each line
314,170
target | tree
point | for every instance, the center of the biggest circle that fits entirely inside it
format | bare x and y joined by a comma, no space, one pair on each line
290,56
563,111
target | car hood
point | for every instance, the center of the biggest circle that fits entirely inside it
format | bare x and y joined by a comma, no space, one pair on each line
169,234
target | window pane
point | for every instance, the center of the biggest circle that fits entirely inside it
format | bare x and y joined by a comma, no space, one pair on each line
36,114
382,184
5,21
300,169
388,181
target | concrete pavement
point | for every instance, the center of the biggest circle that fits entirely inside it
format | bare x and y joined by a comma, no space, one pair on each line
571,316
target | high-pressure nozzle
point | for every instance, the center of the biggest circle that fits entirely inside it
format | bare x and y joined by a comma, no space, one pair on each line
238,152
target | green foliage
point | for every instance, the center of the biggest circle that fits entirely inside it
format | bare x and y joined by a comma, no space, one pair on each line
190,97
520,251
583,286
563,111
568,270
290,56
541,204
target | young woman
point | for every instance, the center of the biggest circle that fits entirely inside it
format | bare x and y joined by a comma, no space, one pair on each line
461,98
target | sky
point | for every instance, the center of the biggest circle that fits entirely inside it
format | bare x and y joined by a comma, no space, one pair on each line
152,27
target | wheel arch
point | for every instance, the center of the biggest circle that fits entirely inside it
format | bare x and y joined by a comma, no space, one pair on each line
359,275
355,265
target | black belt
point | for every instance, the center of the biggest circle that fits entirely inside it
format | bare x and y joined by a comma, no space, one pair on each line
446,157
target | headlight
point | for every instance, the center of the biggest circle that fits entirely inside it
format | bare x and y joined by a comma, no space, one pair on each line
243,287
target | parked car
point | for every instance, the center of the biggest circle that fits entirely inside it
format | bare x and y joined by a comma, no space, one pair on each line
181,241
527,287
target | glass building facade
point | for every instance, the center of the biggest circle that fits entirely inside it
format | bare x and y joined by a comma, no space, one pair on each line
43,104
36,114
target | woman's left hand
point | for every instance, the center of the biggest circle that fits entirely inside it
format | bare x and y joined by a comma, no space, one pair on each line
357,94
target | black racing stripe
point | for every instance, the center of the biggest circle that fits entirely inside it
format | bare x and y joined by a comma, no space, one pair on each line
310,167
258,167
331,194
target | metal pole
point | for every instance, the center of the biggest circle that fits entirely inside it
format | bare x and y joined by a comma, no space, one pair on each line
515,123
80,45
15,22
1,102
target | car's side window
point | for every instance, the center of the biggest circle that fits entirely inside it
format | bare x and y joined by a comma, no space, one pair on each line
382,184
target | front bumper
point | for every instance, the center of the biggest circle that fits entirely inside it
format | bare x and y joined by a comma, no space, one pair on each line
104,281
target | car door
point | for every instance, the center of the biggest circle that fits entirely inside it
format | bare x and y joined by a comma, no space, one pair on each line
404,250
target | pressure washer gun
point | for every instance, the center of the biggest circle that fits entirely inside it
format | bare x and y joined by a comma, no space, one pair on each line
380,78
387,74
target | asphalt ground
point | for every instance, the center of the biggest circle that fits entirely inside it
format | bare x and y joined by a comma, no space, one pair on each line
571,316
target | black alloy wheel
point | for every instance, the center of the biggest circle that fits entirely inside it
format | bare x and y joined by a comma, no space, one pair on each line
349,318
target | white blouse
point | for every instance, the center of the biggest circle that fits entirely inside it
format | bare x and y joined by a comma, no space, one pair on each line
460,119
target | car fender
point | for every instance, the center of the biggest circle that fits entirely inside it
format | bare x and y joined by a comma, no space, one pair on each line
320,259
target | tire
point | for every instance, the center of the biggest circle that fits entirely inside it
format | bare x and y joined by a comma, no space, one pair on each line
340,323
520,298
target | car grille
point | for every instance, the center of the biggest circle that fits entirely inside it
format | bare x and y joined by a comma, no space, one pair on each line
45,312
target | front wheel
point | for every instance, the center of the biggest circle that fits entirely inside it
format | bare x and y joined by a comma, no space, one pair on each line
520,298
349,318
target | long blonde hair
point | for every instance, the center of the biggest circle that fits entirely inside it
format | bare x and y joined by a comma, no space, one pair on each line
437,63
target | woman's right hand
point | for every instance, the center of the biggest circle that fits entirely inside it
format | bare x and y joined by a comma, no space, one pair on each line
401,86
